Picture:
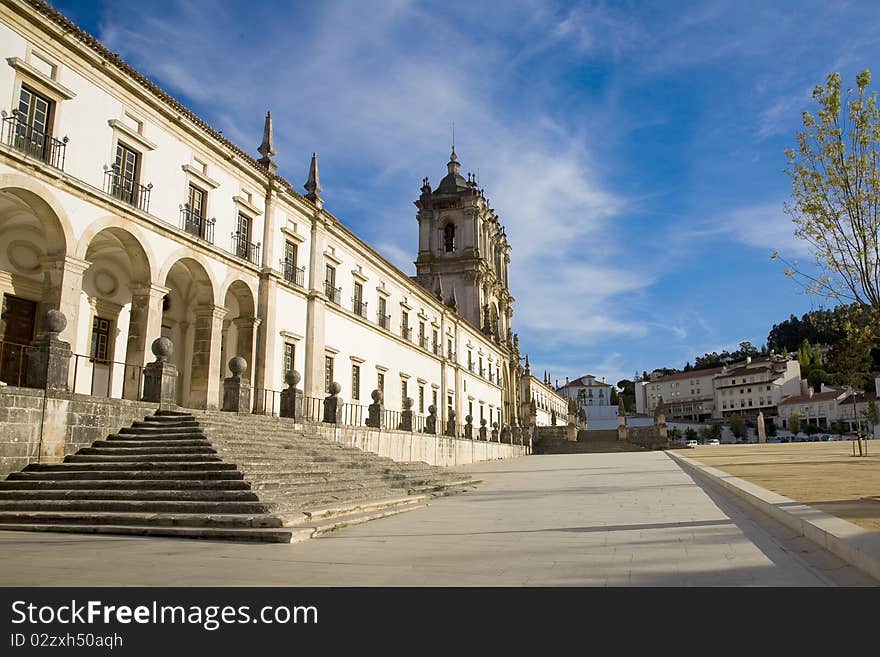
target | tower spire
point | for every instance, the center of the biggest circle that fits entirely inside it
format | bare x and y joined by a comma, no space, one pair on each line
313,184
267,147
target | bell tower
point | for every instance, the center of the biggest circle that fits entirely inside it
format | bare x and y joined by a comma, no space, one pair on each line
464,254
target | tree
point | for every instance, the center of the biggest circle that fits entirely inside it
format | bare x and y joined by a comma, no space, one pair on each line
737,426
710,431
835,177
770,428
690,434
794,423
872,414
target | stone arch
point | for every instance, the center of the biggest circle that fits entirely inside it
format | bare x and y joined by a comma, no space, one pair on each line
35,235
193,322
188,254
239,326
448,235
115,304
133,233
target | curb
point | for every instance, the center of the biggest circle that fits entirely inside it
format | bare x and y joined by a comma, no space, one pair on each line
857,546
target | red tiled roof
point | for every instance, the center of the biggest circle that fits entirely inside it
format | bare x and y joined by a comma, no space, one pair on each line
690,374
817,396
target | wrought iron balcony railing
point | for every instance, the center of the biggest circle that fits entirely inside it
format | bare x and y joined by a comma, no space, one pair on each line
130,191
41,145
195,224
359,307
423,342
384,321
245,249
406,333
292,273
333,294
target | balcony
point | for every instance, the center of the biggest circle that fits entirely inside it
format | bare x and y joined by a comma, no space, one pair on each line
129,191
423,342
197,225
437,349
359,307
406,333
332,293
450,355
384,321
244,249
292,273
34,143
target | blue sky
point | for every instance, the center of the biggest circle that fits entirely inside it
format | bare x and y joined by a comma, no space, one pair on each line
633,150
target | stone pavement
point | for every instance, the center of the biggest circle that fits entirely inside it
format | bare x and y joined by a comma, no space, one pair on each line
571,520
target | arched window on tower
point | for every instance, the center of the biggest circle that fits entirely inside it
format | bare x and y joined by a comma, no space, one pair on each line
449,237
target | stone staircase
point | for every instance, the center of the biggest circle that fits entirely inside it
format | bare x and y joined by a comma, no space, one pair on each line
588,442
221,476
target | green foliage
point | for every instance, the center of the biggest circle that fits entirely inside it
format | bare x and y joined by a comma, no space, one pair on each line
737,426
835,190
811,429
770,428
794,422
836,428
710,431
872,413
690,434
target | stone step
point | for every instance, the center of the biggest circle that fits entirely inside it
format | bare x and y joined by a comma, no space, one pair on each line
141,518
169,413
151,421
162,429
134,437
145,451
129,475
129,465
142,458
195,442
155,494
249,534
145,506
317,516
125,484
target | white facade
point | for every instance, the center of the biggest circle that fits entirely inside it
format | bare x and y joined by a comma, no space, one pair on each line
260,271
686,395
591,394
548,408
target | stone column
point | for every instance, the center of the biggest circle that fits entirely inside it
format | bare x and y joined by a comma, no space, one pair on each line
762,430
332,404
314,356
204,387
49,357
406,416
376,411
246,347
62,285
291,398
160,377
237,390
144,325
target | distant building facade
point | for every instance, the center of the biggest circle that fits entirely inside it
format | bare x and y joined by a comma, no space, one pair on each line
591,394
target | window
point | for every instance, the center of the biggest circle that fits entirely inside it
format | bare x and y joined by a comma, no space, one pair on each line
125,174
422,334
470,360
380,382
449,238
330,284
242,238
355,381
34,126
471,409
383,317
194,214
328,373
100,340
358,300
291,255
449,351
421,399
448,404
404,324
403,392
434,398
289,357
436,340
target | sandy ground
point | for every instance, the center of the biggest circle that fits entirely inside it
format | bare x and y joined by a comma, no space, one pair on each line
823,475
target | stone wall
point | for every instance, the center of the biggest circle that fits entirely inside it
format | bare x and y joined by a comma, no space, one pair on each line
430,448
43,428
559,432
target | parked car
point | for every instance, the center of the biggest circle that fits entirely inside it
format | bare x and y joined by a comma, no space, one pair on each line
714,441
692,443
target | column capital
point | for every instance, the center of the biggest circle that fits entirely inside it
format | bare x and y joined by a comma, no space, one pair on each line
214,312
247,322
66,263
148,289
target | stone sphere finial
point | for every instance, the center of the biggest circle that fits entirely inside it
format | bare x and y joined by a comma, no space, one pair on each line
407,403
376,396
495,425
451,414
483,422
237,365
292,378
468,419
162,349
335,388
55,321
432,409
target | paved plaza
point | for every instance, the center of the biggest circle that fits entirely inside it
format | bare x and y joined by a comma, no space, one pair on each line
628,519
